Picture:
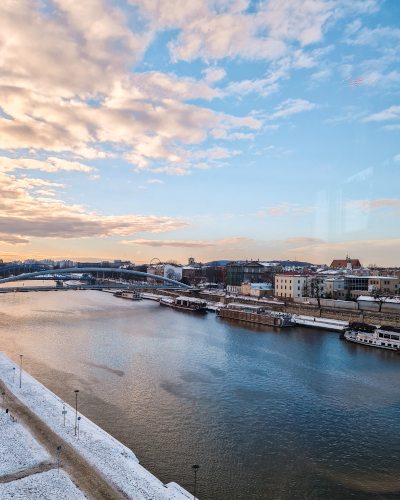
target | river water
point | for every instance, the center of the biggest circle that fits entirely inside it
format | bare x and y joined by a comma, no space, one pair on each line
266,413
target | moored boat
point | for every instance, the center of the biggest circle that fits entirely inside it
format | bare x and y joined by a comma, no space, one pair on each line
128,295
188,303
383,337
256,314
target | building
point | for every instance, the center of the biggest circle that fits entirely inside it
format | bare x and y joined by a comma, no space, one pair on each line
355,263
234,274
173,272
358,286
256,290
157,270
253,272
290,284
333,285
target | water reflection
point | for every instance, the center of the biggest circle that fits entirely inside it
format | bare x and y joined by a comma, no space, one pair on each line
268,414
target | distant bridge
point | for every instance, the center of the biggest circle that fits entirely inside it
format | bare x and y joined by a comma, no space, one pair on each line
38,274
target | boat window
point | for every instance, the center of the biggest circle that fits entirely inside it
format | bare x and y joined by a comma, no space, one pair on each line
386,336
394,337
389,345
381,335
370,341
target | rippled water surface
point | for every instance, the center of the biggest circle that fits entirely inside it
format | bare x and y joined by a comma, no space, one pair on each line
267,414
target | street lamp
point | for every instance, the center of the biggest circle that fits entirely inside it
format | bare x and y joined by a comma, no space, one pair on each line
13,374
78,426
195,467
20,372
2,406
76,410
58,449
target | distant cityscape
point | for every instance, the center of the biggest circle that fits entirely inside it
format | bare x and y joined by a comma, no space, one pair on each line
344,279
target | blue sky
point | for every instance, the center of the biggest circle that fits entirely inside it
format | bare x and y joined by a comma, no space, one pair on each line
223,130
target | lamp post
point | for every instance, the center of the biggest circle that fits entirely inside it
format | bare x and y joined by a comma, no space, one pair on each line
2,406
20,372
76,410
78,426
58,450
195,468
13,374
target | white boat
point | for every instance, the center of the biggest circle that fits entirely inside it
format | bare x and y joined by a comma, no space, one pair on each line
128,295
188,303
383,337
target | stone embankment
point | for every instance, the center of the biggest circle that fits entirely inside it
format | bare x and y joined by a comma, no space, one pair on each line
93,464
299,309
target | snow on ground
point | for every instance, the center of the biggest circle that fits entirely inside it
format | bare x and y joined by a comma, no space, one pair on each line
117,462
325,323
49,485
18,449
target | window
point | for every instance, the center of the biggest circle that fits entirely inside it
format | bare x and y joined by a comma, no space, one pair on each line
290,288
298,288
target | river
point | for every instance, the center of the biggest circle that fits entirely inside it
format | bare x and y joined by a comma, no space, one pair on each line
266,413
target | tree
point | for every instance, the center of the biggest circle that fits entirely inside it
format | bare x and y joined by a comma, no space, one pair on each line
315,288
172,275
268,276
381,296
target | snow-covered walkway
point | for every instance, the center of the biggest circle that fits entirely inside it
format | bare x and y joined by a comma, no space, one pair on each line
114,460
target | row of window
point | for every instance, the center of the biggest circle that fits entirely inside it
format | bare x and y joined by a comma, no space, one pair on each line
298,281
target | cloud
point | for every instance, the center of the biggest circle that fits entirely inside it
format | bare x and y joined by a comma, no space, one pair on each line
189,243
388,114
367,205
9,239
391,127
261,87
51,164
291,209
214,74
155,181
94,177
290,107
301,241
22,215
202,166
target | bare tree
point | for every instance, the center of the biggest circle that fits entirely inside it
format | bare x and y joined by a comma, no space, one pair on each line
381,297
268,276
315,288
172,275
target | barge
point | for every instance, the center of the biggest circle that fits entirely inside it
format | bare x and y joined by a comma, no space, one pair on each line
128,295
262,315
188,303
382,337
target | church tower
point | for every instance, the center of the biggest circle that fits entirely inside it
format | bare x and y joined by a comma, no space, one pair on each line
349,266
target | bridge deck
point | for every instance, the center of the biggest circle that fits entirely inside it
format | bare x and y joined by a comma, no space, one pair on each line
80,287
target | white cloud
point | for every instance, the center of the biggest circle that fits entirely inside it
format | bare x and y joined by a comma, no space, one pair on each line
51,164
155,181
189,243
214,74
388,114
290,107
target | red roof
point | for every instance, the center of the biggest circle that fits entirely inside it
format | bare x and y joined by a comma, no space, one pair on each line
343,263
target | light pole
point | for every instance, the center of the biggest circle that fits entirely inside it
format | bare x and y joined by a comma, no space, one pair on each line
78,426
76,410
58,450
195,467
20,372
13,374
64,412
2,406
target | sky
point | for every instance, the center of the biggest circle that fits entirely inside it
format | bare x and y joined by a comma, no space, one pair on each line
133,129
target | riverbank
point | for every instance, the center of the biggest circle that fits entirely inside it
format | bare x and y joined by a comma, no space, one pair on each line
98,465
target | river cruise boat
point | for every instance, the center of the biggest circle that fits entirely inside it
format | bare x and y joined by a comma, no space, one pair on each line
188,303
263,315
383,337
128,295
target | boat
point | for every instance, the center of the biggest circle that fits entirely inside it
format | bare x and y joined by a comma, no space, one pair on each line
128,295
263,315
382,337
188,303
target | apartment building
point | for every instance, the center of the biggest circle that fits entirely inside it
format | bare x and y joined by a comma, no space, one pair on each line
290,284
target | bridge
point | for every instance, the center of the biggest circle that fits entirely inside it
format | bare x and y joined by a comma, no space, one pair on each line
38,274
25,269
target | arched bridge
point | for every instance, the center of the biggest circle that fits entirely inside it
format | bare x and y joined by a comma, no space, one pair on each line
39,274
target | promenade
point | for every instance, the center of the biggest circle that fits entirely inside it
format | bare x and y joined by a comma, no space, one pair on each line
93,464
